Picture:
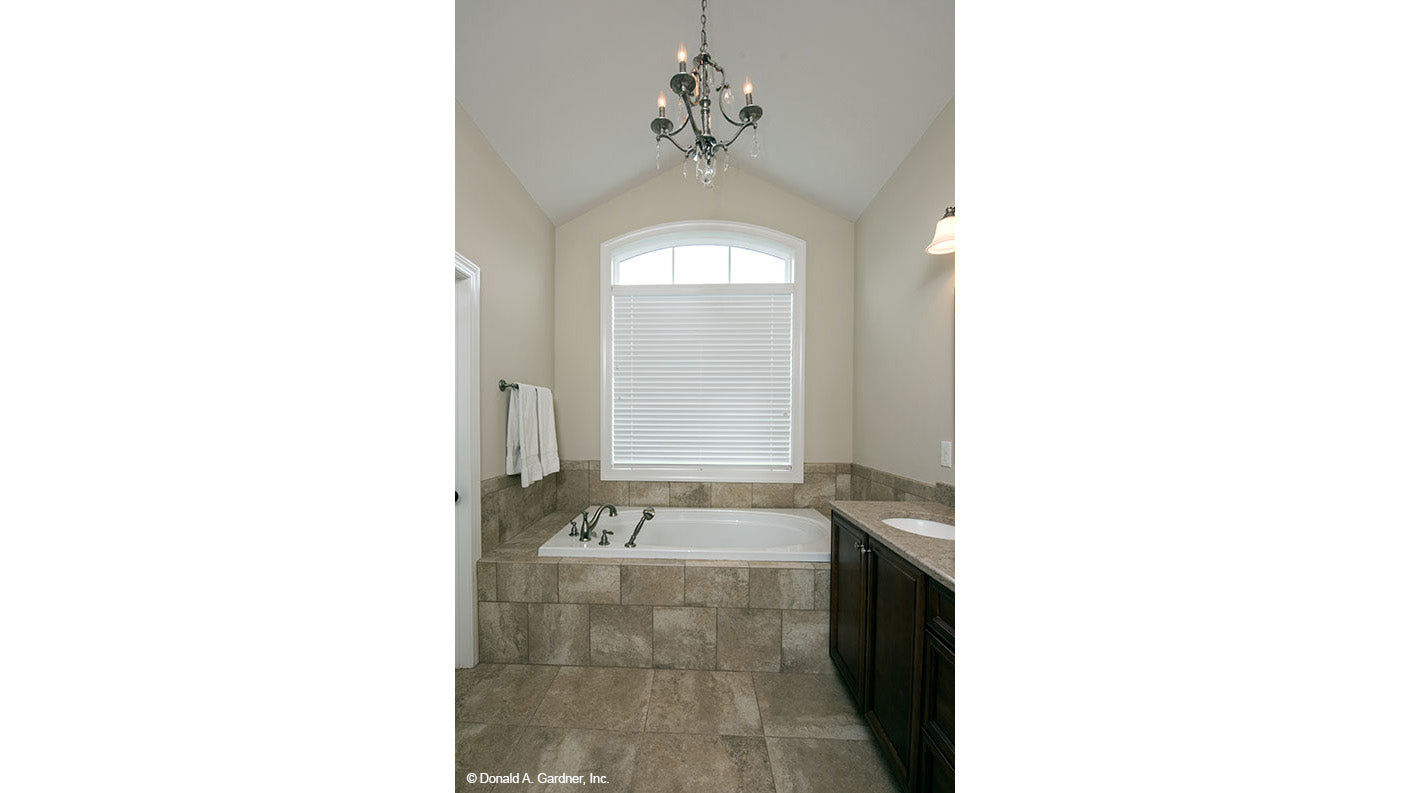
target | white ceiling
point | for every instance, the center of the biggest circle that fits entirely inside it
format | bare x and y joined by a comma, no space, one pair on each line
565,90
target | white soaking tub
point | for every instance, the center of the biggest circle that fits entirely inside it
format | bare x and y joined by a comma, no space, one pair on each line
778,535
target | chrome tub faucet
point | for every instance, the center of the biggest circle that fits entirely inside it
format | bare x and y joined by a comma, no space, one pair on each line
589,525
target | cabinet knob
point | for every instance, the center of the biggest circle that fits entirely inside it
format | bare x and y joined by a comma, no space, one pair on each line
859,547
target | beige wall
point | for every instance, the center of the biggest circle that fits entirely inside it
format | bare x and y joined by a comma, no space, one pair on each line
879,392
905,343
500,228
738,196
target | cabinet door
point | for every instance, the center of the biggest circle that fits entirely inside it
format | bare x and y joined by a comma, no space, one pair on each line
938,701
847,612
892,682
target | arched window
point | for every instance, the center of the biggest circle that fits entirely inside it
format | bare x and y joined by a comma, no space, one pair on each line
702,354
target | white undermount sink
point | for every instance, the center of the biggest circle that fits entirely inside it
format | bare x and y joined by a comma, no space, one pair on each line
925,528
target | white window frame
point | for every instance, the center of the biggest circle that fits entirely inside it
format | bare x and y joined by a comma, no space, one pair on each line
703,232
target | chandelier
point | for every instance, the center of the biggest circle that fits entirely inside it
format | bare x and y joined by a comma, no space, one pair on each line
709,152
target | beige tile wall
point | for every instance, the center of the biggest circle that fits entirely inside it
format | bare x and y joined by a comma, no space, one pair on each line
581,484
507,509
871,484
743,616
822,482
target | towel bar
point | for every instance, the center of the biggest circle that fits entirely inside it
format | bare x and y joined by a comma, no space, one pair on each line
503,385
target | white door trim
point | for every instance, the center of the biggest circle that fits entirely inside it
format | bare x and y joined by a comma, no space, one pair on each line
464,268
467,464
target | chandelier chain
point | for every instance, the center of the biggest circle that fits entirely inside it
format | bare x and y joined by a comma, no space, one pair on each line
704,42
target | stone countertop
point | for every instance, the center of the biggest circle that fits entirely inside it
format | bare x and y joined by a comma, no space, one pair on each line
935,557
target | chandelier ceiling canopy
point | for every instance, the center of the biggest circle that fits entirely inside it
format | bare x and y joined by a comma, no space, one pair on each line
692,87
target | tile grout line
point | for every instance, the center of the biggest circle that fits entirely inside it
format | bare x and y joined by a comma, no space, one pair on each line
759,709
544,695
717,645
650,686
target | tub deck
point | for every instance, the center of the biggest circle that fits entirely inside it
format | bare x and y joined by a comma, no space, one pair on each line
761,535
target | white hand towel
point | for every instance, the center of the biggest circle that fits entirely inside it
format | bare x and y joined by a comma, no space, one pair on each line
532,467
548,434
513,444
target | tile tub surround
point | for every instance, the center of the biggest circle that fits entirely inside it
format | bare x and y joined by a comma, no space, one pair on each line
933,556
506,508
644,613
665,730
822,482
581,484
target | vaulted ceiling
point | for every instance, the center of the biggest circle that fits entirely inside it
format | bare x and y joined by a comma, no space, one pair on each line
565,90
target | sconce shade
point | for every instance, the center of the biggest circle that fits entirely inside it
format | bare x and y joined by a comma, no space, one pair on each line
944,241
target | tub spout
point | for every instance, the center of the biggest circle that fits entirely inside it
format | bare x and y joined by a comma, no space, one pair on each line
646,514
589,525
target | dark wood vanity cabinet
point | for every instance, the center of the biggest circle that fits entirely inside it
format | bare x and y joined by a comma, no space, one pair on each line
892,689
891,636
846,641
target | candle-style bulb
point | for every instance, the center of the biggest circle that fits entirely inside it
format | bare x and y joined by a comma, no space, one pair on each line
748,90
681,53
661,99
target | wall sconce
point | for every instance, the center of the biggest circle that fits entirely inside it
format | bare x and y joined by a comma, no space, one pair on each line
944,241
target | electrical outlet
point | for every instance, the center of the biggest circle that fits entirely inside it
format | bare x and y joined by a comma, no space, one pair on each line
947,454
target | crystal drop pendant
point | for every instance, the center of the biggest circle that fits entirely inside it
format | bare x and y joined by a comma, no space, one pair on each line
757,144
658,154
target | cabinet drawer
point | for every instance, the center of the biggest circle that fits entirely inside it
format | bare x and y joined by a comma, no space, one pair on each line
937,774
940,608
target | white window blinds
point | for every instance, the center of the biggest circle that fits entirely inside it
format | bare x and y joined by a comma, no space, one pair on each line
702,379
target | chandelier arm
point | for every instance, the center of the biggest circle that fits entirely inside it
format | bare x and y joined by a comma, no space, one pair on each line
741,132
724,83
684,121
683,150
725,113
691,118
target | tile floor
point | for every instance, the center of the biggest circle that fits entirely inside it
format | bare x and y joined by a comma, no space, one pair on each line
674,731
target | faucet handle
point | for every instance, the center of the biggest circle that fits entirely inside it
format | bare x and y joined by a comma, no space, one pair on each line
604,534
573,532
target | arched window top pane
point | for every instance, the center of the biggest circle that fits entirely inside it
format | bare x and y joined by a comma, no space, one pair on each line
648,268
753,267
702,264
